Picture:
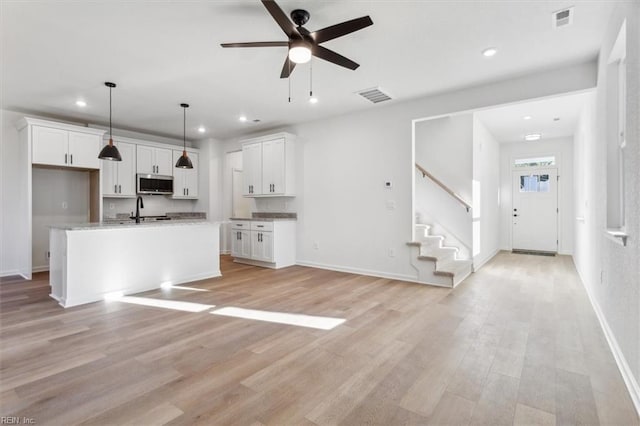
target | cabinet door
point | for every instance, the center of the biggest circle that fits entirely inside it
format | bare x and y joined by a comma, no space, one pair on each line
273,164
164,161
236,243
267,246
245,248
252,169
144,160
109,178
83,150
50,146
191,176
179,190
262,246
126,169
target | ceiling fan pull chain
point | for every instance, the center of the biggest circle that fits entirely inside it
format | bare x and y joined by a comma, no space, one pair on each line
311,78
289,79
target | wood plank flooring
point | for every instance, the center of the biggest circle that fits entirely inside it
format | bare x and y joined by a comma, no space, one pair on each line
516,343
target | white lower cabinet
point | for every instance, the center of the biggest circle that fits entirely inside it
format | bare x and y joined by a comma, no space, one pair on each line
264,243
240,243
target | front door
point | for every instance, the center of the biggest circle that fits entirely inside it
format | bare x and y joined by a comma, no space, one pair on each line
535,210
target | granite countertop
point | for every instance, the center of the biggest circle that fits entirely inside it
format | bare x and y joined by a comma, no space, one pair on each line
119,225
264,219
268,216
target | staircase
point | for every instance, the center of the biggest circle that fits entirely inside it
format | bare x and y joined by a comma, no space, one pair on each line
436,263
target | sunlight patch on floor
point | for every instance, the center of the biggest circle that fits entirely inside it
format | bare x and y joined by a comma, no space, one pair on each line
323,323
165,286
163,303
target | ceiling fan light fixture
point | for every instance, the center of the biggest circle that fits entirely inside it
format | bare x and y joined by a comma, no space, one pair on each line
300,54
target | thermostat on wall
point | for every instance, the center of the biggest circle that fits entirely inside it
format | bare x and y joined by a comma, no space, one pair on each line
387,184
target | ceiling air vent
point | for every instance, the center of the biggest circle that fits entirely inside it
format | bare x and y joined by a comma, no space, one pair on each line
562,18
374,95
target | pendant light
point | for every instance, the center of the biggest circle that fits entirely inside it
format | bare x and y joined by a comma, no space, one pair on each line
110,151
184,162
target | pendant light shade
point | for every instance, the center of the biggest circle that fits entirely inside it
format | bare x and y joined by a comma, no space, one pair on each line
184,162
110,151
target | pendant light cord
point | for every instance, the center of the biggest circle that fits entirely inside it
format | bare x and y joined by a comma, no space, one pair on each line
110,131
184,130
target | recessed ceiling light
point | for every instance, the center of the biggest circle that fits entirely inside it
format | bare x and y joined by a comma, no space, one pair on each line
532,137
313,100
526,117
489,52
242,118
556,118
201,129
81,103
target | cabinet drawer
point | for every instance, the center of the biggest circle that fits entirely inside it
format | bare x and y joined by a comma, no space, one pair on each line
262,226
240,224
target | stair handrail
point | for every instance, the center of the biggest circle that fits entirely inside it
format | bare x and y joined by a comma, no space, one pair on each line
448,190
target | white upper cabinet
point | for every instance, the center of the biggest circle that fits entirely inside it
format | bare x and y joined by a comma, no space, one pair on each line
83,150
60,146
154,161
252,169
119,177
269,166
185,181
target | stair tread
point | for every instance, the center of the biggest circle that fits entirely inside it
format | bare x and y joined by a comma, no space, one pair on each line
452,267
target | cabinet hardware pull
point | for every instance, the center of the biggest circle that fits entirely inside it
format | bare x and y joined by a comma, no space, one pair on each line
187,191
260,226
115,188
65,159
120,189
71,158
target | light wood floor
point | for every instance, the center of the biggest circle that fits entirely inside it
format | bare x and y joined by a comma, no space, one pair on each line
516,343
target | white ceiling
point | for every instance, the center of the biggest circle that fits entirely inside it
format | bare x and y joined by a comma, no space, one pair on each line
164,53
507,123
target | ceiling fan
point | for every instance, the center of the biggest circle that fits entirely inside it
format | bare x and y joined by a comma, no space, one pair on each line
302,43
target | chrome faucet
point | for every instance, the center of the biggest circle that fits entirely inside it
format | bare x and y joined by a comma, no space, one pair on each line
139,205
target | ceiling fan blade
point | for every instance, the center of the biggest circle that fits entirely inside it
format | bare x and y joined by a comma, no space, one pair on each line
333,57
257,44
341,29
287,68
281,18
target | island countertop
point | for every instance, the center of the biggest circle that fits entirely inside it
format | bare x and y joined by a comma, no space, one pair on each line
120,225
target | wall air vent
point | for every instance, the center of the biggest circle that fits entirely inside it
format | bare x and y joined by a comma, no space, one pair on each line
562,18
374,95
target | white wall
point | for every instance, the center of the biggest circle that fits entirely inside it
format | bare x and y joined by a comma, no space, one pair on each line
611,272
444,147
344,161
562,148
486,184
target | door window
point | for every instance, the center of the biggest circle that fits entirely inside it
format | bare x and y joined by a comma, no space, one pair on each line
534,183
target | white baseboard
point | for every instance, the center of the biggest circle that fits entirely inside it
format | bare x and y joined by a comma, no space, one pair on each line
367,272
44,268
10,273
480,264
627,375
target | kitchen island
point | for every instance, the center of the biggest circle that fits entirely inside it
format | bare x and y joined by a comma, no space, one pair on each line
92,261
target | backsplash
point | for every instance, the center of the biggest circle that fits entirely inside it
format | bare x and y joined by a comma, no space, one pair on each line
154,205
275,204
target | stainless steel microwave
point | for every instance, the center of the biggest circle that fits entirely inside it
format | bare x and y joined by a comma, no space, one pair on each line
154,184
